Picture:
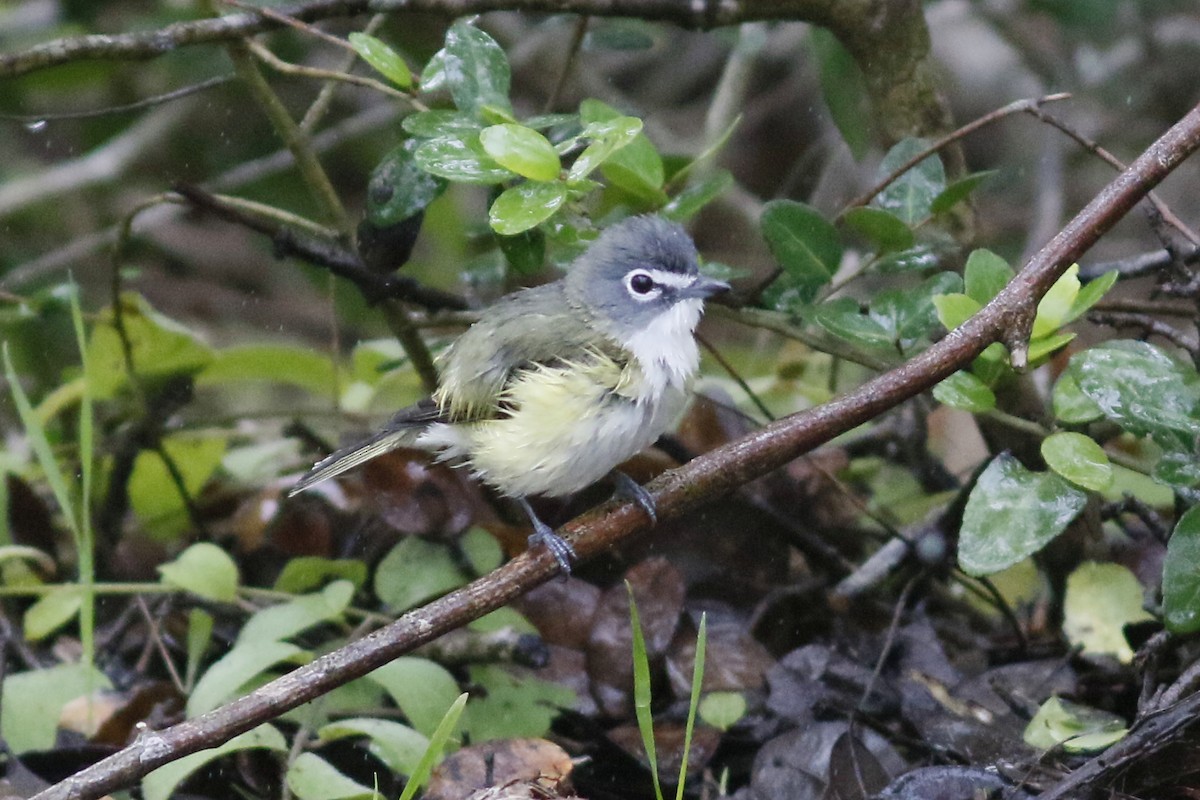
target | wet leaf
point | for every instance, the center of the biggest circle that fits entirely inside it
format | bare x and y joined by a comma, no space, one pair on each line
1055,306
1078,459
910,197
844,318
1142,389
382,58
1071,405
525,252
205,570
525,206
1012,513
162,782
400,188
955,308
636,166
1090,294
461,159
1101,600
476,69
964,390
1181,575
606,137
522,150
804,243
696,196
441,122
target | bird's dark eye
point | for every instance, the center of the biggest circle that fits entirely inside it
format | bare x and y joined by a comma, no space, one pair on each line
641,283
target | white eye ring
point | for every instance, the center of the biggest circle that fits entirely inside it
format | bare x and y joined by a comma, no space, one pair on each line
641,286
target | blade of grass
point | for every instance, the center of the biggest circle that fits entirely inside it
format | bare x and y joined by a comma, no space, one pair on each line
436,742
641,691
693,702
85,543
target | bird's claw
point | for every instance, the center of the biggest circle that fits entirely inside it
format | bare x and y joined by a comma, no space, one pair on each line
629,489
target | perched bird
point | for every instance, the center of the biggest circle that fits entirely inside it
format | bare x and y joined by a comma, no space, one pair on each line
556,385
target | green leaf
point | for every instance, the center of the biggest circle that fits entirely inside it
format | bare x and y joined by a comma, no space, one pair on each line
909,314
1090,294
1077,728
954,309
481,550
635,167
1012,513
1177,469
844,318
804,243
305,573
606,139
525,252
234,670
441,122
204,570
910,197
883,229
161,348
414,571
1181,575
964,390
396,745
696,196
422,689
1057,303
461,159
1071,405
400,188
525,206
722,710
503,617
311,777
918,258
153,493
958,191
522,150
34,699
1142,389
286,364
52,611
199,637
984,275
383,59
844,89
283,621
476,69
1040,348
162,782
1078,459
1101,600
512,706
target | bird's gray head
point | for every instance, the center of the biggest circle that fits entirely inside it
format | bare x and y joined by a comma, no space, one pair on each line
640,271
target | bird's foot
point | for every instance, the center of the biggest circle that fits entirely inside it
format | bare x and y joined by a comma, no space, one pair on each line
629,489
543,534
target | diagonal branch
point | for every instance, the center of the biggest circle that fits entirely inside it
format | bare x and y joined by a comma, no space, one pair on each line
708,476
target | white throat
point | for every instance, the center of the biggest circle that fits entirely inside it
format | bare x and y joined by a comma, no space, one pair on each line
666,350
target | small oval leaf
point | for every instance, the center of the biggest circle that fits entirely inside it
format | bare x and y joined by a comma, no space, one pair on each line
525,206
1078,459
384,59
522,150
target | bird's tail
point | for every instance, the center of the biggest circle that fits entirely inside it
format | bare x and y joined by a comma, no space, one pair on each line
349,457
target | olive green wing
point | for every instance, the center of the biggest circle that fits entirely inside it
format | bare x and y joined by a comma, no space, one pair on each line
531,329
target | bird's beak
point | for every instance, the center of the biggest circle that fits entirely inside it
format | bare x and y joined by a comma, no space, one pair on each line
705,286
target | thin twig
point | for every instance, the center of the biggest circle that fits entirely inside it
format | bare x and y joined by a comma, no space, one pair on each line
987,119
287,68
140,105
